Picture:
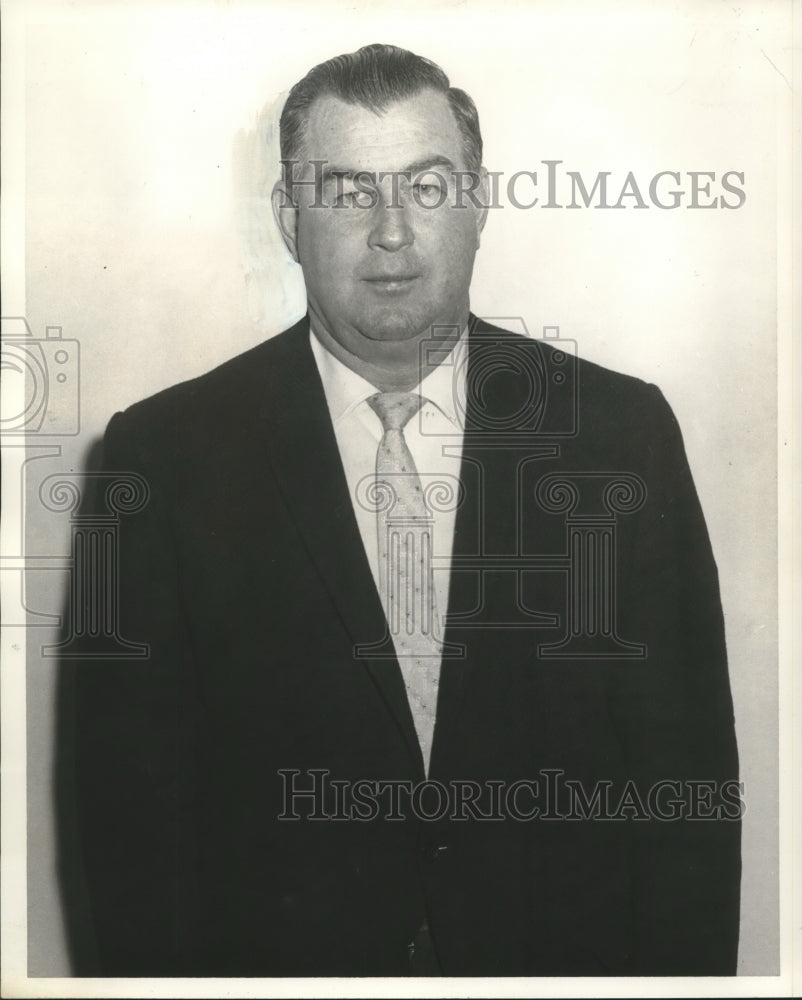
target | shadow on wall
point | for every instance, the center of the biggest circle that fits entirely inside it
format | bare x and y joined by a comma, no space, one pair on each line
75,908
273,280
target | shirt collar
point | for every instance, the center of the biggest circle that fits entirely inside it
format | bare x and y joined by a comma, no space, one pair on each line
345,389
445,385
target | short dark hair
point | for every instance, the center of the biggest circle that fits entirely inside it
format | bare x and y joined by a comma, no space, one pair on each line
374,77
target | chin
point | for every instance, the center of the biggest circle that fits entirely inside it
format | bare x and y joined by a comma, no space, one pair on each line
398,327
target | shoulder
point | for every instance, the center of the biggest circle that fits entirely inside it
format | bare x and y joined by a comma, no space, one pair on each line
580,397
192,424
240,384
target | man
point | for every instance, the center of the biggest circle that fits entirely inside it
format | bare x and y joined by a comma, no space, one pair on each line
394,544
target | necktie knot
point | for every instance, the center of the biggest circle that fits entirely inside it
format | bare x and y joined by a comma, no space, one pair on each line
395,409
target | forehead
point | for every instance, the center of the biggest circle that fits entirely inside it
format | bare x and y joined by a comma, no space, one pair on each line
408,131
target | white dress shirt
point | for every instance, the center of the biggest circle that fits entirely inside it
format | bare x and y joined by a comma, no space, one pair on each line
434,438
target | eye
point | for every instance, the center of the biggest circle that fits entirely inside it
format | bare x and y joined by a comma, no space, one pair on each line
355,198
430,192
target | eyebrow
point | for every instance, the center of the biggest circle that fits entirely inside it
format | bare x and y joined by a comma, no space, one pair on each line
418,167
429,164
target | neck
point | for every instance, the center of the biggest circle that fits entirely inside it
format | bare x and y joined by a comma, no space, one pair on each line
403,368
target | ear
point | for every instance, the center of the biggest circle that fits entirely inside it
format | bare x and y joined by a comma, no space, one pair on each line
483,192
285,212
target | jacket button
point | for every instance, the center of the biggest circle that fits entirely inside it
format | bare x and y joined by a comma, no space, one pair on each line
431,852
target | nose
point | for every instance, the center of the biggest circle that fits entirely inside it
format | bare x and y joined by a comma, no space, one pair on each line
391,228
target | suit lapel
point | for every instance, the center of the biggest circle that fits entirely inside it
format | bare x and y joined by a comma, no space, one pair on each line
486,523
306,462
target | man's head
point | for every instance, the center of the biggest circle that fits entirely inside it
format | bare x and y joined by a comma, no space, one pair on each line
376,149
375,77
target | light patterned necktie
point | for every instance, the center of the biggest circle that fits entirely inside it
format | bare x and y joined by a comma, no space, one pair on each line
405,563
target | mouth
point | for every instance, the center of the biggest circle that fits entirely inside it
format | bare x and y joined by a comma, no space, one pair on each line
391,284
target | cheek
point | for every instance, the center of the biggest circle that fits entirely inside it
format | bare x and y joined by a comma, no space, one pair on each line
454,234
452,260
324,233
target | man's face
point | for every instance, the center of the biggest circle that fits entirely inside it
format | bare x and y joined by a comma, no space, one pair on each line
383,264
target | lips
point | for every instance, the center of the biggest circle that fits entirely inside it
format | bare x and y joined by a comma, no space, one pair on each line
384,279
391,284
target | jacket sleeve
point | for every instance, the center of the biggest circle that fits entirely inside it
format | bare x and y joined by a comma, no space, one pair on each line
131,728
675,709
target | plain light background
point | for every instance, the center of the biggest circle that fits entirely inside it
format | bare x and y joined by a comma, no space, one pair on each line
148,239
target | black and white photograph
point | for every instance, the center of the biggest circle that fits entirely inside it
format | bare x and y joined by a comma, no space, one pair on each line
400,563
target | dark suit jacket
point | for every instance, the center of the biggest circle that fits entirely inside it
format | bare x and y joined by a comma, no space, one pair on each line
247,577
